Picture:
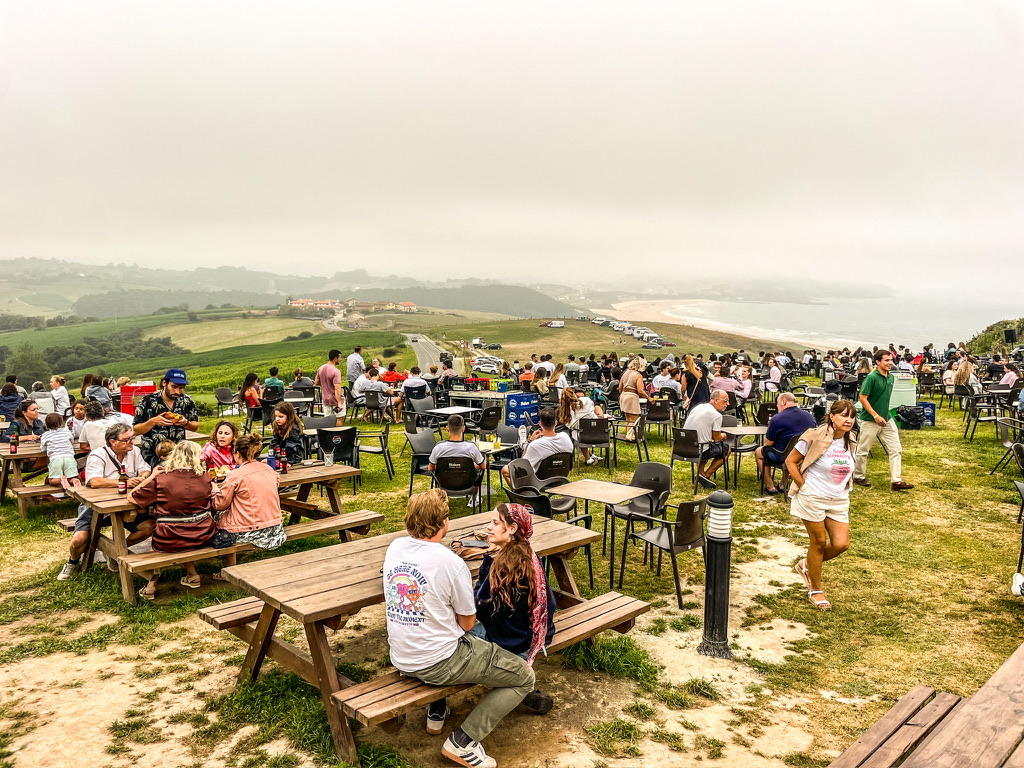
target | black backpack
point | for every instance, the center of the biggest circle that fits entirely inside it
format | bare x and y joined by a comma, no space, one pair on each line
910,416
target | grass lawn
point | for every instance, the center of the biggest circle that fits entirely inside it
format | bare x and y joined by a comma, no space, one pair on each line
234,331
428,317
521,338
921,597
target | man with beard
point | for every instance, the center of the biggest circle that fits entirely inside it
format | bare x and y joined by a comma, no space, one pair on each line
165,415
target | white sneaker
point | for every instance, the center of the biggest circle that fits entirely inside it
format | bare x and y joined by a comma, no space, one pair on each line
524,434
99,557
435,723
592,460
69,570
472,756
1017,584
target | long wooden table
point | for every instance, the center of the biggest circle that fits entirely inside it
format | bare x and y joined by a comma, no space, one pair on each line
325,587
107,501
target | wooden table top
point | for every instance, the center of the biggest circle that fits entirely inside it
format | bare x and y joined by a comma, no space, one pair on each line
109,500
343,578
986,731
601,491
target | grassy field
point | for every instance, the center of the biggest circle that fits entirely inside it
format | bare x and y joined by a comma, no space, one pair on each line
428,317
921,597
68,335
235,331
521,338
228,367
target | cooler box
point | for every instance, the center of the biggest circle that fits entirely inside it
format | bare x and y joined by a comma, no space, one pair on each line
130,391
501,385
929,413
904,391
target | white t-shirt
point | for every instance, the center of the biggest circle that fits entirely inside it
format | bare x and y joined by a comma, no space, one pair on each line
462,448
546,365
585,410
102,462
426,586
93,432
415,381
544,446
705,419
830,475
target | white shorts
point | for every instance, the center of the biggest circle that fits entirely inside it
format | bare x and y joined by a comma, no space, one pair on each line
814,509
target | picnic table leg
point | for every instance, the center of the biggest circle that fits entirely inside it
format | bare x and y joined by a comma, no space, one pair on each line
331,489
259,644
15,479
95,526
5,476
119,543
327,678
563,575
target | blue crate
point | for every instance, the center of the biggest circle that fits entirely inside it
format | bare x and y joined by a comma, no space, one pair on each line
515,419
523,400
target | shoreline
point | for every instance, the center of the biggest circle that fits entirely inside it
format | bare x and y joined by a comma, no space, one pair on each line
673,311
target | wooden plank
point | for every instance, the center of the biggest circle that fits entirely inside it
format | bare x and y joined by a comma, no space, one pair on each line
884,727
891,752
233,614
259,644
986,730
289,656
68,524
329,684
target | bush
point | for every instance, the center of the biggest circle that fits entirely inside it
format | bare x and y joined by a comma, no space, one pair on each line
305,335
389,352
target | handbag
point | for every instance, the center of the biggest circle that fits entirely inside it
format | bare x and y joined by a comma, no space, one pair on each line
222,539
468,548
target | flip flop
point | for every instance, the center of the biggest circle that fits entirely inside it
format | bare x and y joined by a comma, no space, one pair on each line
801,569
823,604
218,577
146,595
191,584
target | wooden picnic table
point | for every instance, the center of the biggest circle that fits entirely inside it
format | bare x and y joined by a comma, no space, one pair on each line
603,492
107,501
929,729
325,587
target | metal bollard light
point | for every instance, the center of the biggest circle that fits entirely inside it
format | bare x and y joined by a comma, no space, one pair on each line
718,548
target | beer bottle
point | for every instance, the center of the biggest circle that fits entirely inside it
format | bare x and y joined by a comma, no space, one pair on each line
122,481
15,439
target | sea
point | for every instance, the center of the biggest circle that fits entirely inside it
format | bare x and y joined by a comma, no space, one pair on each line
909,320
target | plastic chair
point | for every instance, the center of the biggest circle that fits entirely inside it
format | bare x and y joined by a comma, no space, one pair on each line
522,477
488,422
595,433
377,404
1010,431
771,466
225,400
459,478
661,414
557,465
540,505
621,433
343,443
422,443
381,449
648,474
684,533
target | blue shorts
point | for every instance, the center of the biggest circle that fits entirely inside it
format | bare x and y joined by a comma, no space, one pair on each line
770,454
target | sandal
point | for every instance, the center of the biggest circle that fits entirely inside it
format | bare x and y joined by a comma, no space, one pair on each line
218,576
823,604
801,569
191,584
147,595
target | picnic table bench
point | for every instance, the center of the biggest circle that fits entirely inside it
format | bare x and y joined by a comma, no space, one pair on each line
107,501
324,588
929,729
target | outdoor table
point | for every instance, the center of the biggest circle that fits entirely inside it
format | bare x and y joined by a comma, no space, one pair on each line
326,587
741,431
11,476
452,410
603,492
480,395
107,501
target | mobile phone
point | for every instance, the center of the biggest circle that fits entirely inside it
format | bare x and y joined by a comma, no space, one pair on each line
478,543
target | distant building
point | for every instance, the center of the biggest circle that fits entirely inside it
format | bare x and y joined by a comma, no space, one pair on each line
356,320
407,306
315,303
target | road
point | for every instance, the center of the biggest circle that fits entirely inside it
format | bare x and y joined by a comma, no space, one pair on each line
428,353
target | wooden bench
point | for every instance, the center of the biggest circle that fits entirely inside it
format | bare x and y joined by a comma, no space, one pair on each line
146,563
920,713
25,493
384,700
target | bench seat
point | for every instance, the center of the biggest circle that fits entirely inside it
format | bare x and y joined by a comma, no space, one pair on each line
25,493
68,524
145,563
392,695
921,712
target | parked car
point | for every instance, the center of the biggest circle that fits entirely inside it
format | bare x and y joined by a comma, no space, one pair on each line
600,321
544,324
667,343
487,366
652,345
556,324
493,346
583,319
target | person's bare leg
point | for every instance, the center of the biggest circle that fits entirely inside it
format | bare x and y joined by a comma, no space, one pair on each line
838,539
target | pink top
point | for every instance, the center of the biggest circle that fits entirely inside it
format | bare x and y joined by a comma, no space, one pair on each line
214,456
250,496
328,377
1009,378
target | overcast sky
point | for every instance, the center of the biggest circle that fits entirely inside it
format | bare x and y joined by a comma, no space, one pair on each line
432,138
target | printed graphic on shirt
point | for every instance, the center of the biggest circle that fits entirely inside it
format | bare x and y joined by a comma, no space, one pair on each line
406,588
840,465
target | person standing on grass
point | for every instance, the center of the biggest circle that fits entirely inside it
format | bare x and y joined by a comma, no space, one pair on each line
354,365
876,423
431,609
821,465
328,378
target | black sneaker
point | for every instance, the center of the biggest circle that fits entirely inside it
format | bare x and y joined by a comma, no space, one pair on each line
435,721
703,482
538,702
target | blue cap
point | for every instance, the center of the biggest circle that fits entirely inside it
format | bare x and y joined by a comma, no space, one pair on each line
176,376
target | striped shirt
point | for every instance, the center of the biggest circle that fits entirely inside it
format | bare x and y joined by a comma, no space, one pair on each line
57,442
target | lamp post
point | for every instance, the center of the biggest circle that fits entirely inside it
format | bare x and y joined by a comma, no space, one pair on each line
718,548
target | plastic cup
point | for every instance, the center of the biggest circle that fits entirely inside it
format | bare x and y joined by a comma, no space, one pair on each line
328,459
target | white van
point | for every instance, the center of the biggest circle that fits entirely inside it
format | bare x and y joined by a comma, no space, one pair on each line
556,324
599,320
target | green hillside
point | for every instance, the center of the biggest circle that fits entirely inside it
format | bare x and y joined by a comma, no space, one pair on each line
227,367
991,339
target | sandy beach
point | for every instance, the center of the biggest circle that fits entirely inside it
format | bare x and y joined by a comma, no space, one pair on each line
675,311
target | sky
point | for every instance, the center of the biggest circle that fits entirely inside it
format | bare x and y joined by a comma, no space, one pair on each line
882,141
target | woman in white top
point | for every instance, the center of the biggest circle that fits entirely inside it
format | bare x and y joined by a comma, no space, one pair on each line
771,384
557,379
746,383
61,400
573,407
821,465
